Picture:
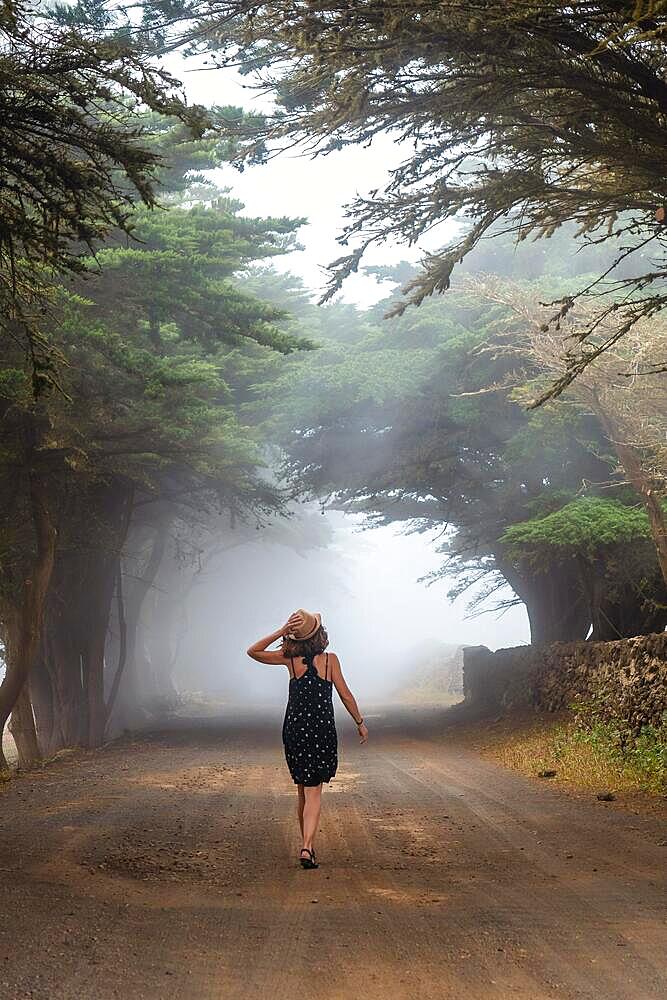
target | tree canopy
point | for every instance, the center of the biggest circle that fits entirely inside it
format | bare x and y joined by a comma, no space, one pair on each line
421,420
513,116
72,155
145,434
623,389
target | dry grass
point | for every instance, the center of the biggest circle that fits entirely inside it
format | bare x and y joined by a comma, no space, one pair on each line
533,743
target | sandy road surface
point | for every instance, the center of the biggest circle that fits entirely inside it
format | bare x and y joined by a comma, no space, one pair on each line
165,867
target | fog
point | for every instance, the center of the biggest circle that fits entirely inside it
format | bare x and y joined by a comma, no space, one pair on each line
364,583
379,617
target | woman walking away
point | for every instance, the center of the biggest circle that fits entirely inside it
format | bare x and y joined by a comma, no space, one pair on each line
309,727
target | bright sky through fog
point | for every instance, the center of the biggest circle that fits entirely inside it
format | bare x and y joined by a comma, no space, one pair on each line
296,185
381,566
392,609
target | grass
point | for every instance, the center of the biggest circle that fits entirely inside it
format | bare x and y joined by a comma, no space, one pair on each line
591,756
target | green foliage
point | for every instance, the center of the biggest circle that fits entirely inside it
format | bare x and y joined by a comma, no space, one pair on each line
73,160
643,754
182,270
649,752
581,528
404,410
414,419
581,144
151,346
151,375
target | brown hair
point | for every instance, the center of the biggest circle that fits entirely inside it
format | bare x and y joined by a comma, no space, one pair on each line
306,647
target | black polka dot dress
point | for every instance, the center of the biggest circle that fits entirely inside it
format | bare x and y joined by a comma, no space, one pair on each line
309,727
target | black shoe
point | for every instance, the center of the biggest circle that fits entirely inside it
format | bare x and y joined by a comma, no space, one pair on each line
310,861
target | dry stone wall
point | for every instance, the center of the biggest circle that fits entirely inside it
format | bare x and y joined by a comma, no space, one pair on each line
624,680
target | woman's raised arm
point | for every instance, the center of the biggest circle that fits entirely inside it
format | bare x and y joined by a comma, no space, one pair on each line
258,651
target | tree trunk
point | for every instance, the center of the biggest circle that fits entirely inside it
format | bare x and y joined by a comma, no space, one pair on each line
25,630
93,664
557,610
629,611
122,642
113,506
78,614
656,517
43,705
160,651
63,663
133,688
22,728
101,583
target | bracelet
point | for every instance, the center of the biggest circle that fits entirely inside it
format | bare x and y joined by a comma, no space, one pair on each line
361,721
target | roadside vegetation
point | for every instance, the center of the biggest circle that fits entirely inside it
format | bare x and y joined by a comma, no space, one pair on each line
574,751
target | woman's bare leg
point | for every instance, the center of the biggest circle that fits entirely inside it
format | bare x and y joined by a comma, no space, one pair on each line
311,813
299,808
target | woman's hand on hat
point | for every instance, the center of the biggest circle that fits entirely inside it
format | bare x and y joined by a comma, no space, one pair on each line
295,620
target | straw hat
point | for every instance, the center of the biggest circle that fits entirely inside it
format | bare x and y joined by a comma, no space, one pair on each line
307,627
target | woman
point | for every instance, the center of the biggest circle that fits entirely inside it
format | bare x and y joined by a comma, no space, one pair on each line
309,727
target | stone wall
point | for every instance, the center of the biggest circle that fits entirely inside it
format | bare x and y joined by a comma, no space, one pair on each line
625,680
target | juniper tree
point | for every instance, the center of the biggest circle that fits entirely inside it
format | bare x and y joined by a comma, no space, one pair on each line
72,157
609,544
402,425
146,419
621,386
413,421
512,115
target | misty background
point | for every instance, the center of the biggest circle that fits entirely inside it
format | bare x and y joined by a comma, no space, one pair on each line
382,621
385,625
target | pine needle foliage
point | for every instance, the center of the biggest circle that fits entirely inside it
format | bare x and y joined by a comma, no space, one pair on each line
519,116
72,155
583,528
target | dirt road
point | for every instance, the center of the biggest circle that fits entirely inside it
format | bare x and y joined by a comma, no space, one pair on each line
165,867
